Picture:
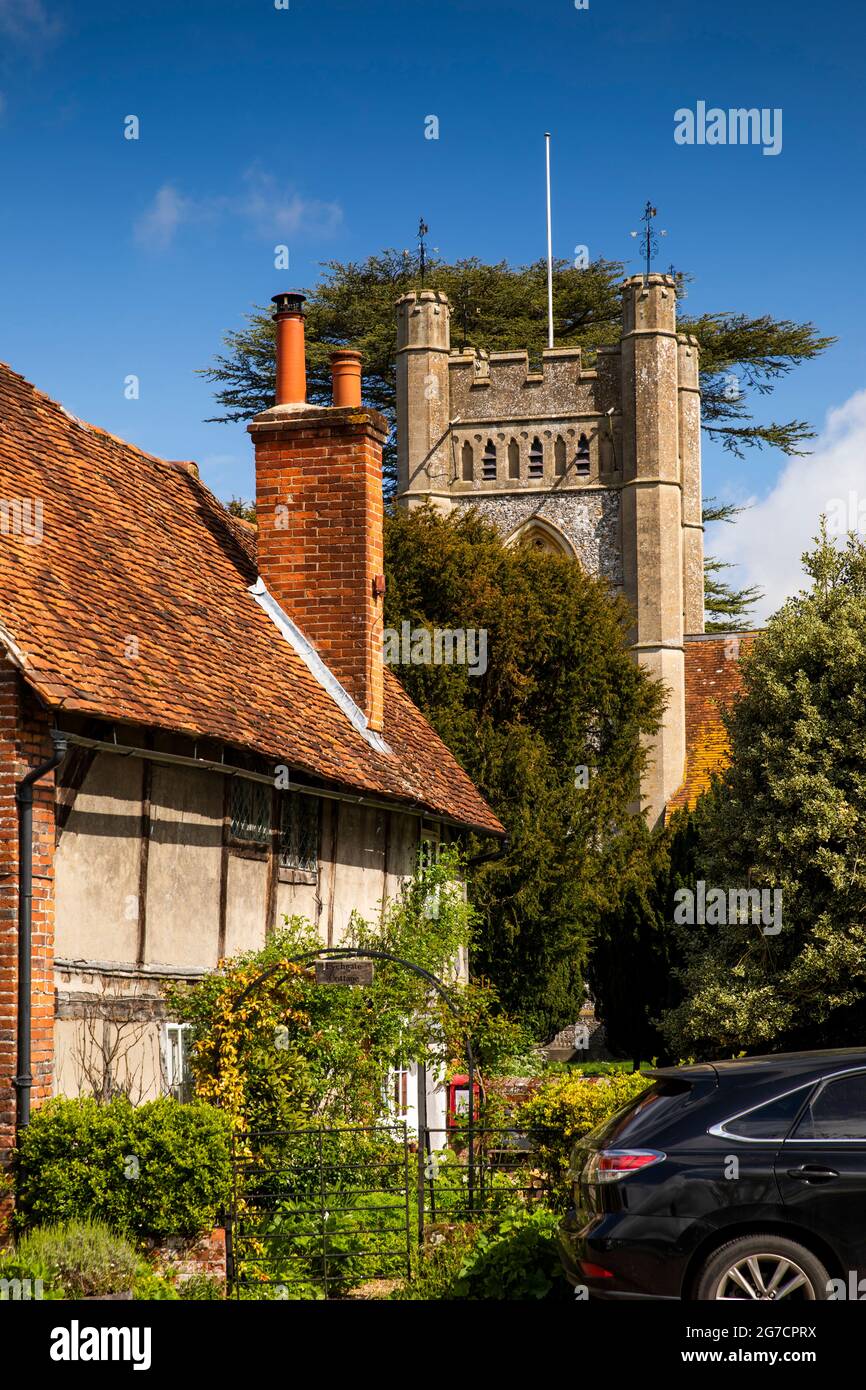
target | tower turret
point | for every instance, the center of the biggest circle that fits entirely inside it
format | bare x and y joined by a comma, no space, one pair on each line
423,397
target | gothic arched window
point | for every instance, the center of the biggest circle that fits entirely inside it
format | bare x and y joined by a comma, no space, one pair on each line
514,459
559,456
488,462
582,455
536,458
468,462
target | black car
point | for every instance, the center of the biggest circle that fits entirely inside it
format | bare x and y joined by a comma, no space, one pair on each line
739,1180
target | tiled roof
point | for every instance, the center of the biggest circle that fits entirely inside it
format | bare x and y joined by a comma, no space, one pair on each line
712,682
133,606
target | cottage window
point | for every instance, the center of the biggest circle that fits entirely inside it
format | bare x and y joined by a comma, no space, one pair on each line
177,1048
299,832
536,459
488,462
250,811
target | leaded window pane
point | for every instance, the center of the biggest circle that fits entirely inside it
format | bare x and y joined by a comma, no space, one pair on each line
299,832
251,811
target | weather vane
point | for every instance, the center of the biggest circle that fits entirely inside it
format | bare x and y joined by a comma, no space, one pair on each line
649,238
423,229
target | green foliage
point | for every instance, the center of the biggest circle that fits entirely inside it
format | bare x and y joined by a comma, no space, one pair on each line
157,1169
75,1259
636,949
200,1288
514,1258
789,814
518,1259
278,1051
436,1268
561,692
566,1108
151,1287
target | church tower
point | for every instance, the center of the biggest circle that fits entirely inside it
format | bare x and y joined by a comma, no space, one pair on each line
602,465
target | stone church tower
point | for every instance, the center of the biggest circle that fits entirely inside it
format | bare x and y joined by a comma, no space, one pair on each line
602,465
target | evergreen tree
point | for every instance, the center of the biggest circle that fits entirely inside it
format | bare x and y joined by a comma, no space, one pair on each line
789,814
549,733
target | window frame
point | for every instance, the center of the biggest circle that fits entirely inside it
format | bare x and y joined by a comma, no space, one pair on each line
794,1138
182,1031
814,1086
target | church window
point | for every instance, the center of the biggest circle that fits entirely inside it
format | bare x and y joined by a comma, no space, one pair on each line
582,455
468,463
488,462
559,456
514,459
536,459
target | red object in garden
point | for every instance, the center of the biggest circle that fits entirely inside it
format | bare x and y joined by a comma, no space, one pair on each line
458,1101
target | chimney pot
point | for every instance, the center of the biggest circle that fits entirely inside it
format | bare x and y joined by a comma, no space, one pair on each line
346,377
291,366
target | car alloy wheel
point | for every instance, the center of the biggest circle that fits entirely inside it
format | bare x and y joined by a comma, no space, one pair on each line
766,1277
763,1268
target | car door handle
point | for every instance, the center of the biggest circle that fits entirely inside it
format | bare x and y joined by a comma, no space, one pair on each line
811,1173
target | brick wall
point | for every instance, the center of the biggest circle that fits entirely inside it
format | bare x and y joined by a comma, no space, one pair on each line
319,512
24,742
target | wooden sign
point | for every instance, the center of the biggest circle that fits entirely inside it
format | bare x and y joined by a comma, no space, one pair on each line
344,972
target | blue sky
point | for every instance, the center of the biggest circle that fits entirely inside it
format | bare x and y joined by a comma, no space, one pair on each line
261,126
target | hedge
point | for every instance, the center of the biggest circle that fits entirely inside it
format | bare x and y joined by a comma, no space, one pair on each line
158,1169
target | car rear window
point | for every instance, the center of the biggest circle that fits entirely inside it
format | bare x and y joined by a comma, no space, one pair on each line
655,1099
836,1111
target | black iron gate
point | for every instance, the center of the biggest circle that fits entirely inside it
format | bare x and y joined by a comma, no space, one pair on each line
317,1212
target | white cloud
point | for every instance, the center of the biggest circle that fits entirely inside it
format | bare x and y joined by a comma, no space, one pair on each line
277,210
28,22
156,227
272,210
767,541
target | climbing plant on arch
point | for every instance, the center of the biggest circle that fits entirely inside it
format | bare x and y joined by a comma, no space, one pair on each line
277,1051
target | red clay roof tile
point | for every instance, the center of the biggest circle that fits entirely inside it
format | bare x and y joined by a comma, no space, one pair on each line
136,547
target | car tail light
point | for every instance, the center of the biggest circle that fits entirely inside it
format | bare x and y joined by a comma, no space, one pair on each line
609,1165
591,1271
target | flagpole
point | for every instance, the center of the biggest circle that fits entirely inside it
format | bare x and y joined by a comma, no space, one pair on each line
549,248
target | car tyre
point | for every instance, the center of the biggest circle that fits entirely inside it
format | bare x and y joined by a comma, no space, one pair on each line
763,1268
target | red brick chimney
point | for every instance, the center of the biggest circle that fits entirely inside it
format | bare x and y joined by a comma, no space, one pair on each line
319,512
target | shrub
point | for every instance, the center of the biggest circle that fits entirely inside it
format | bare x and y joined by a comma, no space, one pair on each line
565,1108
158,1169
79,1259
517,1259
200,1288
150,1286
436,1269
